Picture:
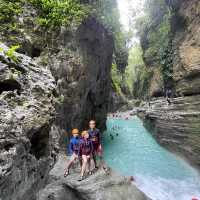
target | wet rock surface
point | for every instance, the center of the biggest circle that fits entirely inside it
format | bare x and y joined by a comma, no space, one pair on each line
98,186
186,61
27,148
176,126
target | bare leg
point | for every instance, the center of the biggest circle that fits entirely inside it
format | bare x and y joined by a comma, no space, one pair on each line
84,165
72,159
89,164
80,161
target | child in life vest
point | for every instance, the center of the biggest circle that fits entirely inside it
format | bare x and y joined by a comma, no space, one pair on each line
85,151
74,148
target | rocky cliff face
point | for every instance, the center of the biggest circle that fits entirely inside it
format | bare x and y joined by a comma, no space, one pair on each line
83,75
27,147
177,125
186,41
178,58
79,58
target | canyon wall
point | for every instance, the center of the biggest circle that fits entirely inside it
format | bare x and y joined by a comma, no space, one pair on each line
177,125
59,79
27,146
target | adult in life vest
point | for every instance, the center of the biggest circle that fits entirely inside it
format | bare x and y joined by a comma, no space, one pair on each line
95,137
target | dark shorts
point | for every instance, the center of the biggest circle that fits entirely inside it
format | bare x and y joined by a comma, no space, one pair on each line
85,153
97,149
76,152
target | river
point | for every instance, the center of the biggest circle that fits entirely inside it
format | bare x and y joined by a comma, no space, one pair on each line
132,151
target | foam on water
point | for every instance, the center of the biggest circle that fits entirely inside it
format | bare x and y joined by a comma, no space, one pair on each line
159,173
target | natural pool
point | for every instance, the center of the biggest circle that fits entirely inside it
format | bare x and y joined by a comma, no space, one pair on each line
159,173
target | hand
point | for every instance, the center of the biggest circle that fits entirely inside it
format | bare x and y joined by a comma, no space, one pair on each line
100,147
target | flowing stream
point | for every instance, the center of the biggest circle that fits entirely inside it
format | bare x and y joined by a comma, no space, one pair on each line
131,150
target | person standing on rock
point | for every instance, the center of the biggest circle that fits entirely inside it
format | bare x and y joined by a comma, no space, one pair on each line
95,137
168,95
85,151
74,149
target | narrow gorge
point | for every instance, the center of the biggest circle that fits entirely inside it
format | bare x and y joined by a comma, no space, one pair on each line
65,62
176,125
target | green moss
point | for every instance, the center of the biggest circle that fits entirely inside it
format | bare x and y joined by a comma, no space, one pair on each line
158,38
63,12
8,10
155,32
116,79
11,52
106,11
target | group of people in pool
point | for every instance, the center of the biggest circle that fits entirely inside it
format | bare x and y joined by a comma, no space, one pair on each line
85,147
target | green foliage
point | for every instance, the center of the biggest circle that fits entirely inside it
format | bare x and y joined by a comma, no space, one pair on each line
107,13
60,12
167,66
116,79
134,60
154,28
11,52
8,10
137,76
60,99
158,38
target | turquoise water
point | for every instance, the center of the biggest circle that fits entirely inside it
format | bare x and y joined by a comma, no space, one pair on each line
159,173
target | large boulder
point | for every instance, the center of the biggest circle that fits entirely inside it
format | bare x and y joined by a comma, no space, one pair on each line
98,186
82,71
27,148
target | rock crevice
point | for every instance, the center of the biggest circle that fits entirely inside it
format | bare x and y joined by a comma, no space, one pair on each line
27,109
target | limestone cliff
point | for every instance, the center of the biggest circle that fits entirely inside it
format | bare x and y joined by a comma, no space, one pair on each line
79,57
171,48
177,125
186,41
27,147
59,80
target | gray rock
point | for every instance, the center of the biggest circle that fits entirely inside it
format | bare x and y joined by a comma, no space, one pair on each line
26,114
82,70
186,45
176,126
98,186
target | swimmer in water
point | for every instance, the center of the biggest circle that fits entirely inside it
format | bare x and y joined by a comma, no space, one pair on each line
131,179
111,137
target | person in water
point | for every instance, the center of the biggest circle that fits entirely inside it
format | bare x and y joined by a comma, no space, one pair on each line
95,137
85,151
111,137
74,148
